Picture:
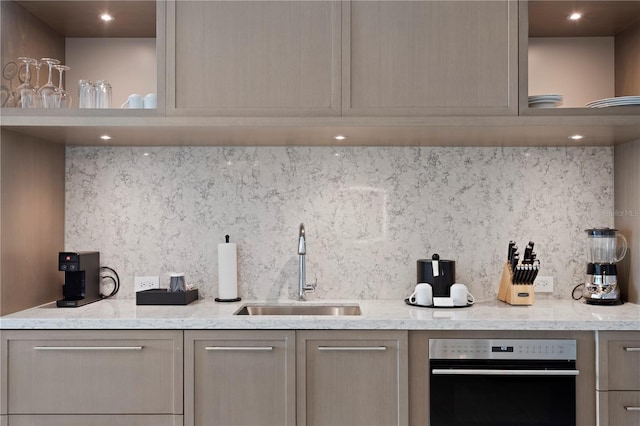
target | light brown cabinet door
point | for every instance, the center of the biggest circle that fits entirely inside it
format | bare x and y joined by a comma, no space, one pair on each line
254,57
430,57
352,378
619,408
92,372
619,358
240,378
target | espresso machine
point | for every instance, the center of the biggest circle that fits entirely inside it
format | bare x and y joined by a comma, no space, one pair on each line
603,253
81,278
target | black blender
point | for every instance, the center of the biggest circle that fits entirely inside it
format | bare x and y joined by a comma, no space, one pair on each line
603,253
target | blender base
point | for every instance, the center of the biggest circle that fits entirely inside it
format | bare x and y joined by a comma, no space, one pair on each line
605,302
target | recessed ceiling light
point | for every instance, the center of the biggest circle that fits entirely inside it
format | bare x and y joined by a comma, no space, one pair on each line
339,137
105,137
576,137
146,154
575,16
106,17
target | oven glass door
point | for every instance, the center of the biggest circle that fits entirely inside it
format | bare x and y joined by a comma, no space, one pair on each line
502,393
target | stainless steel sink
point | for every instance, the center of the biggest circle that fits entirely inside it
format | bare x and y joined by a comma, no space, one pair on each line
331,310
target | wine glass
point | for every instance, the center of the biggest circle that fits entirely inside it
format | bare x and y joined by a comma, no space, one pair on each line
9,72
48,91
38,101
63,98
25,93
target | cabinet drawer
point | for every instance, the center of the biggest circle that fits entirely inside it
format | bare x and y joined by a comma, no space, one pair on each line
85,372
619,361
241,377
619,408
94,420
352,377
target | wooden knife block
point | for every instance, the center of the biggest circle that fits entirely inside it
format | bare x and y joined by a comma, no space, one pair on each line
514,294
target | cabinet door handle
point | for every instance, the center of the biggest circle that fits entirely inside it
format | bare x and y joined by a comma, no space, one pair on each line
631,349
632,408
238,348
352,348
88,348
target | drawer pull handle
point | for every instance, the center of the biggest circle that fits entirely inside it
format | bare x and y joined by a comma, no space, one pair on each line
352,348
494,372
88,348
631,349
632,408
238,348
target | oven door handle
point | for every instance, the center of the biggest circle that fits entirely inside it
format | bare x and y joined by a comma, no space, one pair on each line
494,372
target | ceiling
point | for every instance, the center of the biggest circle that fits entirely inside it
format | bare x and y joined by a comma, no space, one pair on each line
80,18
548,18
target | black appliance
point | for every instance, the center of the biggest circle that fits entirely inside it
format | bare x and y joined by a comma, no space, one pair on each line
441,274
81,278
502,382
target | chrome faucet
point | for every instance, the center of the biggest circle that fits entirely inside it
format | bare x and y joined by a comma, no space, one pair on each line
302,251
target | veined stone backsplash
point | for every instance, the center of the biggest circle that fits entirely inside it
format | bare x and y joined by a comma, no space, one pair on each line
369,212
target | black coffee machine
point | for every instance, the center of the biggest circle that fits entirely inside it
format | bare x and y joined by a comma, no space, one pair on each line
441,274
81,278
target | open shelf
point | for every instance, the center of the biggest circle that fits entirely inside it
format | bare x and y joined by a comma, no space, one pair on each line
123,51
595,57
319,131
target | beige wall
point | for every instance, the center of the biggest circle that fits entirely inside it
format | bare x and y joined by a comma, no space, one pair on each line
581,68
129,64
32,221
627,211
628,62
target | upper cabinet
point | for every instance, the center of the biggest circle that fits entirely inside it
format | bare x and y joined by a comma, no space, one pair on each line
413,58
235,58
366,58
126,51
287,72
583,50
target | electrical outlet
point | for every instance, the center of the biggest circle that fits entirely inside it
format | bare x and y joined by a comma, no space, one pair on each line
146,283
543,284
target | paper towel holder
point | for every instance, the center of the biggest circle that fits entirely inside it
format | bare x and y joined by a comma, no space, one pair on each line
235,299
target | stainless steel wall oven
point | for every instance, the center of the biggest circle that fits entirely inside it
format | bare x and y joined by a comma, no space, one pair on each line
502,382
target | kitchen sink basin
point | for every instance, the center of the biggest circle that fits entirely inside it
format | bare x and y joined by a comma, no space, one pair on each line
326,310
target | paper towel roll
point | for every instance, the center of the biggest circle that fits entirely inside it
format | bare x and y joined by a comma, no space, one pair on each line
227,271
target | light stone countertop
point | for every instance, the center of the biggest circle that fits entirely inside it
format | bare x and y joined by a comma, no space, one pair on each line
376,315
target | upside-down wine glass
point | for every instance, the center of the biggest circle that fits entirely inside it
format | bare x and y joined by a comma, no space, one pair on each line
38,101
48,91
25,93
64,98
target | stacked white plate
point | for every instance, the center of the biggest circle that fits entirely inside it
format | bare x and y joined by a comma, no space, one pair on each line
544,101
611,102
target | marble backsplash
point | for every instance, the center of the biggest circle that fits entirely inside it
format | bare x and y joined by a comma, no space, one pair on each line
369,213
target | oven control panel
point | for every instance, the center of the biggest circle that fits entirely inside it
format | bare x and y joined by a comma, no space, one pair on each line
536,349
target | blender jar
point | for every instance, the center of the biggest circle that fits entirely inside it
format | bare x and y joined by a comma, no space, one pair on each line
602,246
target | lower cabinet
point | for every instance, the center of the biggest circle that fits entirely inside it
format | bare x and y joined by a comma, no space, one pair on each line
352,378
618,385
240,378
279,377
92,377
